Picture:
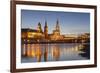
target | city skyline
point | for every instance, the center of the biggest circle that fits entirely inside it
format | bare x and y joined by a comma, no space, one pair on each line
70,22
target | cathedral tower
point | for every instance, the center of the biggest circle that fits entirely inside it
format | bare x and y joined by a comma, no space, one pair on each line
57,26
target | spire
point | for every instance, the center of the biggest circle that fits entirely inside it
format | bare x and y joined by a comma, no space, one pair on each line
45,23
57,21
39,24
46,26
57,25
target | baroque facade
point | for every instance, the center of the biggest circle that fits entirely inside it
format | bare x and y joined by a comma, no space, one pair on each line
32,34
40,35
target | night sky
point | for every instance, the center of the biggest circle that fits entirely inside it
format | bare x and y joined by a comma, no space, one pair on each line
70,22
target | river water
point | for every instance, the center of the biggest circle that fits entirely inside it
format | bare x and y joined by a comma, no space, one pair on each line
54,52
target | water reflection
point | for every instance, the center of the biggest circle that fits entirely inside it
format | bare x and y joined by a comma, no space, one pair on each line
86,51
54,52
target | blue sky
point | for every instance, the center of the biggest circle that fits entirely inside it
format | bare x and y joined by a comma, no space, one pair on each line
70,22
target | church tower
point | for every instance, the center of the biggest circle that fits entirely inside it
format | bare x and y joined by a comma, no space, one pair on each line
57,29
46,30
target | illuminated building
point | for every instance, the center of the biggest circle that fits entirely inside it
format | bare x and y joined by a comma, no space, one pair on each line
39,35
31,35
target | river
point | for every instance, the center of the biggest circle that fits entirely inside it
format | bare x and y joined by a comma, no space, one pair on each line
54,52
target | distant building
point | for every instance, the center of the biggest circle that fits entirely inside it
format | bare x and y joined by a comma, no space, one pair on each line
70,36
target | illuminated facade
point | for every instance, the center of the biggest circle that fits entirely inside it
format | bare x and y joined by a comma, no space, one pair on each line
34,35
38,34
31,34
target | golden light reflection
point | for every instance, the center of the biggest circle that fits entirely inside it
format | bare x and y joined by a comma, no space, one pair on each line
55,52
43,52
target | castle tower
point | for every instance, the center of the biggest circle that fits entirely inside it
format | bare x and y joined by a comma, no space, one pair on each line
39,28
46,30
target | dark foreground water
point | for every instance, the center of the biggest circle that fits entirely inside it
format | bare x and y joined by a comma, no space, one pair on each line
54,52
